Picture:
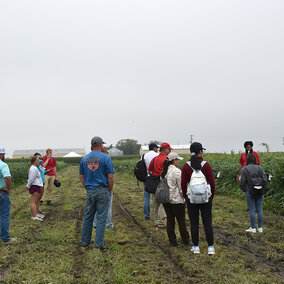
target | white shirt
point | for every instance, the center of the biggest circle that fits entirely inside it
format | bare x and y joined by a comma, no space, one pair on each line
148,157
173,177
34,177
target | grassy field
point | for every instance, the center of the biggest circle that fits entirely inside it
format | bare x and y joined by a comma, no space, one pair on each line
50,252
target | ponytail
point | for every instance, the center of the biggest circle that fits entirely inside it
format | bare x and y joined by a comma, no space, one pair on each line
195,161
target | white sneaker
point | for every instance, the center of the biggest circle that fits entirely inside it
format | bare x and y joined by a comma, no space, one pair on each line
37,218
211,250
195,249
259,230
251,230
40,215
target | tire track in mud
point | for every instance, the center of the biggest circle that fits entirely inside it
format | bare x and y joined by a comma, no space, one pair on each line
152,241
259,257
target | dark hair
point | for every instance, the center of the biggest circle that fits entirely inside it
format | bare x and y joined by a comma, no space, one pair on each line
251,159
33,159
166,165
195,162
37,154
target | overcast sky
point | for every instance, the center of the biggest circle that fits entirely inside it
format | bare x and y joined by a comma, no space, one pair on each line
147,70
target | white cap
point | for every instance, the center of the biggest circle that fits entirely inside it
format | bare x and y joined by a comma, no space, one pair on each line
2,150
173,156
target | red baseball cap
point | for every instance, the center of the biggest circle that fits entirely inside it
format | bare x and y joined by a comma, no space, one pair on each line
166,146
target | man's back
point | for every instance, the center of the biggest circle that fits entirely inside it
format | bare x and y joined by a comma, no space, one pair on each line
4,172
95,167
158,164
148,157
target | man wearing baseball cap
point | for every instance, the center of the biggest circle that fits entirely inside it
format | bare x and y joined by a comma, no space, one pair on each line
148,157
159,211
5,202
97,176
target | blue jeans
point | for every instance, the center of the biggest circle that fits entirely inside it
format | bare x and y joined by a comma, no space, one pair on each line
5,211
97,201
255,204
109,215
147,202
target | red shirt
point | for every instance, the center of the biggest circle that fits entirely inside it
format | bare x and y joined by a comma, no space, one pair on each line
158,164
243,159
50,165
186,173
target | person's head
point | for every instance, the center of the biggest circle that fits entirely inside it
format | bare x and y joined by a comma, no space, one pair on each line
251,159
97,143
172,159
248,146
39,156
196,151
2,153
48,152
154,147
165,148
35,161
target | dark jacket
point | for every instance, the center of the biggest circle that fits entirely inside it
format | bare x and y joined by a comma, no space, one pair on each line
251,171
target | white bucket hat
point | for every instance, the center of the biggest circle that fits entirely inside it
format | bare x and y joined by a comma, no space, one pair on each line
173,156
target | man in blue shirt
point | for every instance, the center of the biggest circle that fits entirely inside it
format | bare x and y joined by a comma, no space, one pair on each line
97,176
5,202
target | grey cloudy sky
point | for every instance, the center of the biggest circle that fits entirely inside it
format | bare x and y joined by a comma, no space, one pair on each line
151,69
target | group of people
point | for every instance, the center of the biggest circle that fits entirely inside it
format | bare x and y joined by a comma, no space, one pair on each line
165,164
96,174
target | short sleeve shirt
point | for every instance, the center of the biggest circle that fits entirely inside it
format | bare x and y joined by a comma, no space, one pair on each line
95,167
243,159
4,172
51,164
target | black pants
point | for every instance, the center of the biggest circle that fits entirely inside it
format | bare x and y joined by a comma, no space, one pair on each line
206,215
176,211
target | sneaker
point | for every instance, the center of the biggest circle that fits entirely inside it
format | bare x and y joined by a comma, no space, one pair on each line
172,245
251,230
259,230
12,240
195,249
161,227
211,250
37,218
40,215
102,249
147,218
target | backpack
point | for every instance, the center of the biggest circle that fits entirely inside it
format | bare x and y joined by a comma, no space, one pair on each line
162,194
140,170
198,191
257,185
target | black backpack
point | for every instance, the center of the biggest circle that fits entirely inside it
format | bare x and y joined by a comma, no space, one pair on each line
140,170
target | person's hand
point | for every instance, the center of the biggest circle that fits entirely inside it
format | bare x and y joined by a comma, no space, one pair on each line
238,178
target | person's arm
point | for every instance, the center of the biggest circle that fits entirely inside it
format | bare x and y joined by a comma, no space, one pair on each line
45,163
32,177
208,172
243,181
264,178
8,184
81,177
110,178
185,177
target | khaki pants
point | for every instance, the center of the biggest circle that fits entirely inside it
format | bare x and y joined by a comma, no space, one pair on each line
49,180
159,214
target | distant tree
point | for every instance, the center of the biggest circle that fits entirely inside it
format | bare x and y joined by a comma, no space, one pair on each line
128,146
266,146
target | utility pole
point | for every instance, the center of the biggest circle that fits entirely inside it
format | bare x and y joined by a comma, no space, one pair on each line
191,139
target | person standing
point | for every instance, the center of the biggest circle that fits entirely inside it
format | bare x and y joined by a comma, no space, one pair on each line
243,160
96,174
35,187
254,194
193,209
49,163
159,211
148,157
5,202
175,208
